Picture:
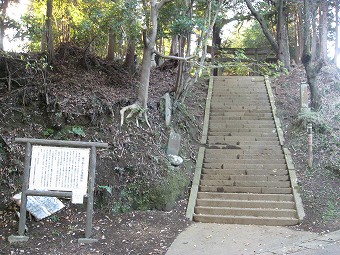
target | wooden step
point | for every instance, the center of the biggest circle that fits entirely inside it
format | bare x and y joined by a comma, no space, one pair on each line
244,166
240,113
240,97
238,144
228,127
261,151
209,157
240,133
240,161
274,172
240,121
232,118
245,177
234,147
241,100
246,130
246,220
246,189
238,102
228,139
241,183
286,205
244,197
242,89
237,108
255,212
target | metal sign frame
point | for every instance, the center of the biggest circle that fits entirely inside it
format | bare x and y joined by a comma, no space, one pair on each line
57,193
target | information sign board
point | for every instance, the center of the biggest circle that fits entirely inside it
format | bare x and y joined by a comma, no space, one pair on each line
60,168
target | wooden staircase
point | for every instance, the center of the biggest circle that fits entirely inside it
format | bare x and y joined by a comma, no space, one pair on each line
243,174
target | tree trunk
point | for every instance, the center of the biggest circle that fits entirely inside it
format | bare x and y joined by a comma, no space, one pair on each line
189,13
120,48
298,40
323,30
314,37
3,9
129,62
311,68
49,32
111,46
149,44
174,45
149,40
282,33
144,79
179,78
216,45
2,32
336,47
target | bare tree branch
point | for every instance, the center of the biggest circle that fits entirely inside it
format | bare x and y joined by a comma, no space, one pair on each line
173,57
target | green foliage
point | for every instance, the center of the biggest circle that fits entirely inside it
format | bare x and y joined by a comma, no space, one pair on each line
164,195
242,65
77,130
54,218
83,22
48,132
106,188
315,118
182,25
238,66
248,35
271,69
144,195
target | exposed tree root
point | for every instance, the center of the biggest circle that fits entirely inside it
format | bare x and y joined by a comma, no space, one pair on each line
135,110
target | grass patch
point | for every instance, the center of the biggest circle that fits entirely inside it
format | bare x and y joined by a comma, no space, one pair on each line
332,211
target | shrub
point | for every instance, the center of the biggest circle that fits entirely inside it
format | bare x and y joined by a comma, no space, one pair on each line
315,118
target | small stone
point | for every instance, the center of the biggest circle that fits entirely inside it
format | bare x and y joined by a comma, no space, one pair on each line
175,160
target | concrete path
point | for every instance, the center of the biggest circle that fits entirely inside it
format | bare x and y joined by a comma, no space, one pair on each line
231,239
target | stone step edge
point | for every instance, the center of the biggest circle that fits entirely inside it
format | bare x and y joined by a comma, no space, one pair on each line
289,160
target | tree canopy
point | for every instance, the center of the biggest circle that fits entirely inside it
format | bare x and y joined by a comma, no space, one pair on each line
120,29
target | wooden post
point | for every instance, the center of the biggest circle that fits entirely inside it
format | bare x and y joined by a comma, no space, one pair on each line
22,220
89,210
310,145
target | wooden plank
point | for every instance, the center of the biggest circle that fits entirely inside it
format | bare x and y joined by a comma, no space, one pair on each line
61,143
